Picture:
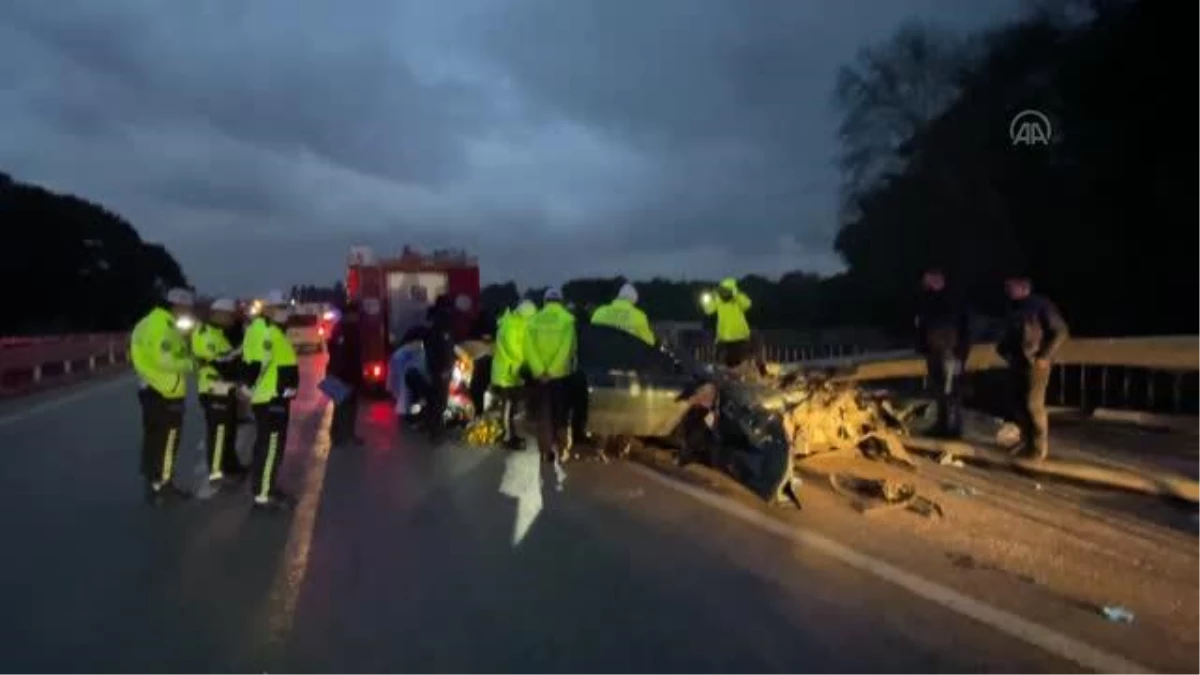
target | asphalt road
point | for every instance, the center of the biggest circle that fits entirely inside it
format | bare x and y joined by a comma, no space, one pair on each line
401,557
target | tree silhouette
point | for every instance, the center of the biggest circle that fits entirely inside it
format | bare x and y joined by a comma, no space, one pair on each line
71,265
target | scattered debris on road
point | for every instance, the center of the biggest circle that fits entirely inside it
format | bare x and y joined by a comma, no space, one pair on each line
1117,614
871,496
484,431
948,459
960,490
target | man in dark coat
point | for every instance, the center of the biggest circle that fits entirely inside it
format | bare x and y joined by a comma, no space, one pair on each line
439,361
345,363
1034,333
943,338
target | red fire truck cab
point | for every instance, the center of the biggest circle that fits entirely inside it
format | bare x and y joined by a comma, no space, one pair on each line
394,295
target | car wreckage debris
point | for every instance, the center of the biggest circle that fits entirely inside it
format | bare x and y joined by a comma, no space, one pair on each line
820,415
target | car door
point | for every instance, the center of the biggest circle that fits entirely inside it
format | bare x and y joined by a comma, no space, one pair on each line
635,389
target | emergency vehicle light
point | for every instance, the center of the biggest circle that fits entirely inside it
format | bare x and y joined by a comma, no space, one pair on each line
375,371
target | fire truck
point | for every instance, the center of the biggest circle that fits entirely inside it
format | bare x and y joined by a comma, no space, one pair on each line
394,295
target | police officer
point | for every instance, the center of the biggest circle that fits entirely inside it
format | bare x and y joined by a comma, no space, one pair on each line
550,345
159,352
508,361
730,305
624,314
218,362
273,376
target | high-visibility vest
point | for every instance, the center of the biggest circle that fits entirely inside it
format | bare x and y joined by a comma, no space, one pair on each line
550,342
209,343
159,354
625,315
266,346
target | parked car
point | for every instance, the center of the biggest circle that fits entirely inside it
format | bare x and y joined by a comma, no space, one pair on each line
306,332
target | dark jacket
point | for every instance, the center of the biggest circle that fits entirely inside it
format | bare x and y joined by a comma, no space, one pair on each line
484,326
1035,330
345,353
439,340
943,325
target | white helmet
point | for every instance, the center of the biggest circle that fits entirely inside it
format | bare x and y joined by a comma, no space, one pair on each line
223,305
628,292
275,299
180,296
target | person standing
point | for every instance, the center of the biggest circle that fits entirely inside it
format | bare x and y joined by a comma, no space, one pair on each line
508,361
943,338
345,363
729,305
159,352
218,361
550,345
624,314
440,357
1034,333
273,376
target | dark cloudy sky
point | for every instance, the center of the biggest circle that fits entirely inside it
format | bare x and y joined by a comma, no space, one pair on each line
259,139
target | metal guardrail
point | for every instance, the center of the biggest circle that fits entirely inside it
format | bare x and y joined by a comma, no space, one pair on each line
1150,374
30,362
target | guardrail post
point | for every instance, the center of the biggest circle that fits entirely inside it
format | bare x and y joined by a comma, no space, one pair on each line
1177,393
1082,386
37,373
91,363
67,367
1103,386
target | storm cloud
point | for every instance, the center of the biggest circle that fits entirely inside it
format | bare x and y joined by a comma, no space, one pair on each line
554,138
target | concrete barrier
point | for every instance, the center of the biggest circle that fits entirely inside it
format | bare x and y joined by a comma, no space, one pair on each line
30,363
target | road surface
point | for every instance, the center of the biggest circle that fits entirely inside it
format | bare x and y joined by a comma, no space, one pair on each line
401,557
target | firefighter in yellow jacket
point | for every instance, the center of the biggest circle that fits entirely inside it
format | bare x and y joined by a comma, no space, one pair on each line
550,344
159,352
217,361
624,314
272,376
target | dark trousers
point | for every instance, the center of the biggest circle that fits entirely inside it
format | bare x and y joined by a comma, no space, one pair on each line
271,427
220,433
162,424
345,420
577,405
945,373
1029,384
734,354
481,377
510,403
550,406
435,404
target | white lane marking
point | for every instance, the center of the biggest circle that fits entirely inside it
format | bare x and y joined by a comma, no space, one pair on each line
1003,621
56,403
